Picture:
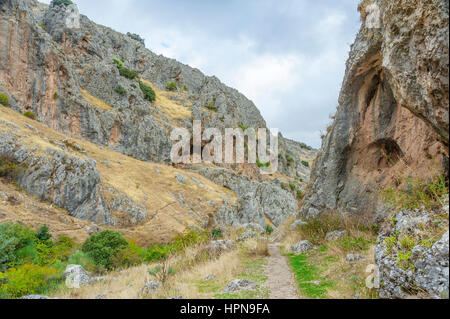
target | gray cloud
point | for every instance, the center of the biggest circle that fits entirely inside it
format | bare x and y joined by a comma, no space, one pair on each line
286,56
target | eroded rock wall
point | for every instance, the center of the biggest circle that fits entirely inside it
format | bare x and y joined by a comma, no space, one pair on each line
392,119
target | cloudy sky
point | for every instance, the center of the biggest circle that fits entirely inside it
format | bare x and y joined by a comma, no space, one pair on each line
287,56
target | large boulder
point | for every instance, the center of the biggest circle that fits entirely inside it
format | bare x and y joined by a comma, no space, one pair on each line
301,247
76,276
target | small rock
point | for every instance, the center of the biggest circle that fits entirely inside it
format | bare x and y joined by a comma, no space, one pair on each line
177,297
335,235
217,247
297,224
354,257
103,295
180,178
210,277
35,297
240,284
150,287
301,247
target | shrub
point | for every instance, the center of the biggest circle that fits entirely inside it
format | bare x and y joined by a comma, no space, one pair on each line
119,89
304,146
129,74
292,186
30,115
269,229
216,233
123,71
4,100
16,243
189,238
81,258
185,88
156,252
101,247
305,163
258,162
243,127
42,234
289,158
61,2
149,94
55,96
162,273
9,167
212,106
427,193
171,86
299,194
27,280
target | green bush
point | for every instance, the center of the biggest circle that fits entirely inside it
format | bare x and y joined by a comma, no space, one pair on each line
299,194
81,258
55,96
212,106
171,86
27,280
30,115
16,244
216,233
129,74
119,89
258,162
42,234
289,158
4,100
9,167
305,163
101,247
149,94
292,186
189,238
156,252
125,72
185,88
59,2
269,229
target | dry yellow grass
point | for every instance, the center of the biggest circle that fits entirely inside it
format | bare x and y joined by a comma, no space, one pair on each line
168,103
95,101
153,185
187,281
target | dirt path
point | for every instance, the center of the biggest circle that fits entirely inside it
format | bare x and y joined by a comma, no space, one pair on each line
280,279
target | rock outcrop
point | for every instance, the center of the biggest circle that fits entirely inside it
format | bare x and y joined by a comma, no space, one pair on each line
393,113
412,254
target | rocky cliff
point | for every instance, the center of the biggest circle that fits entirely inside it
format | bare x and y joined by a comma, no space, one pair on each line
83,80
393,115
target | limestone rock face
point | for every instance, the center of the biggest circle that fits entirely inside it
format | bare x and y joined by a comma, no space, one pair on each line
393,113
408,262
257,200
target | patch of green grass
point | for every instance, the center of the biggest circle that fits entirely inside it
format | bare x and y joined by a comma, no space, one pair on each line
306,274
349,243
418,193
